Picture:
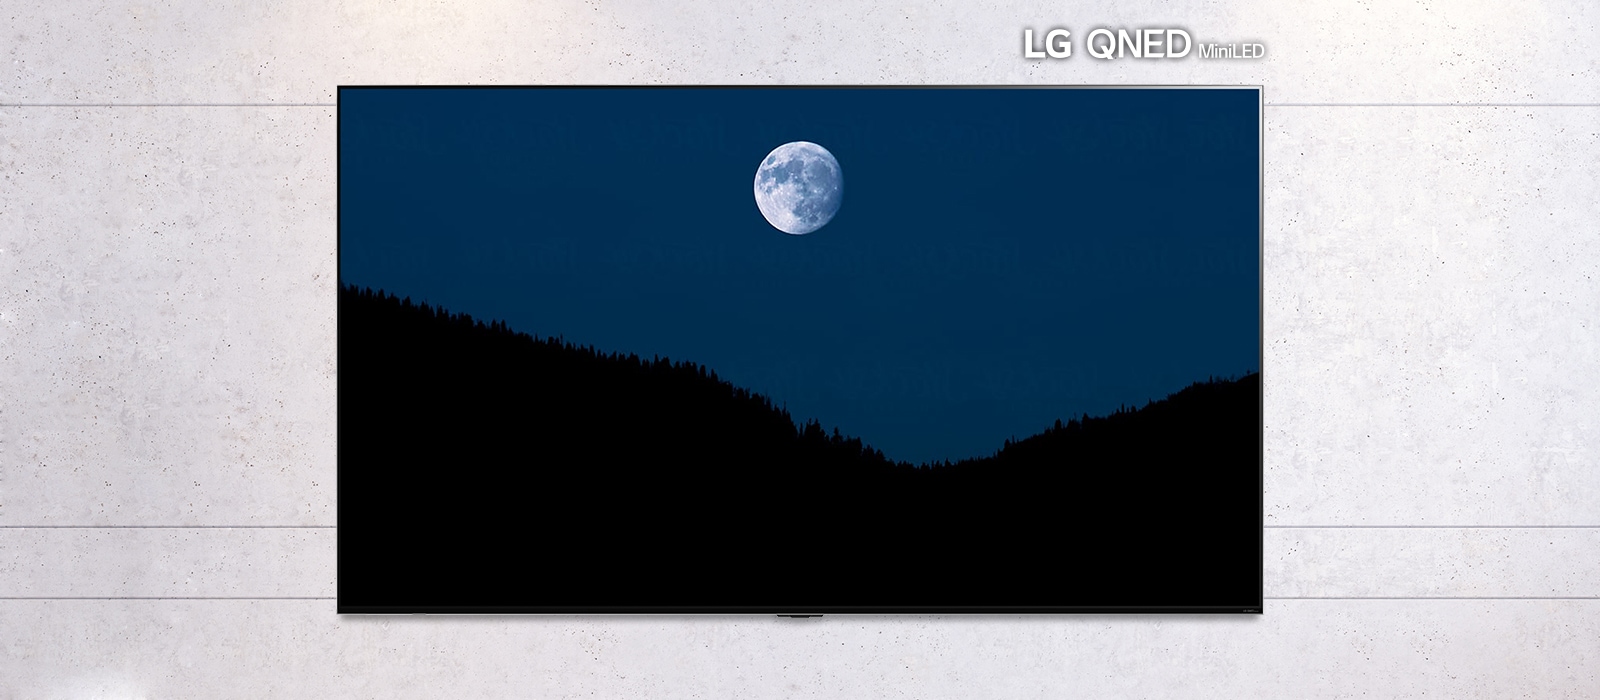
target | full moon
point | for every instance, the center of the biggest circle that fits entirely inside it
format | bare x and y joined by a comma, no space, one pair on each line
798,187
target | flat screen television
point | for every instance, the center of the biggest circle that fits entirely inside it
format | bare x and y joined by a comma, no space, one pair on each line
799,350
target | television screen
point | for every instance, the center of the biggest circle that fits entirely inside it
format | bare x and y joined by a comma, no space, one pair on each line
799,350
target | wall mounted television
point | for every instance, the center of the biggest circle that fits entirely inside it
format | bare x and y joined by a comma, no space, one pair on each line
799,350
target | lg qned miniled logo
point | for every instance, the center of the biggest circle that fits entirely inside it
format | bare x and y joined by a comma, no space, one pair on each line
799,350
1149,43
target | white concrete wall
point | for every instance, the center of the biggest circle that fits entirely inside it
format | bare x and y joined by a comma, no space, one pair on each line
167,346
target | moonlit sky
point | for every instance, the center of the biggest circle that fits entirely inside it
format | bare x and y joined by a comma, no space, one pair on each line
1002,258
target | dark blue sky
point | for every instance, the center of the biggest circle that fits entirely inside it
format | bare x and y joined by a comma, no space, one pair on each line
1002,257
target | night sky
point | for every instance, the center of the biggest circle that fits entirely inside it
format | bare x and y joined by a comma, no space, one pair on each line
1002,257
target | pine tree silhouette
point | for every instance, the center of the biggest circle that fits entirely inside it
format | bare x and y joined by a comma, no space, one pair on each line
468,450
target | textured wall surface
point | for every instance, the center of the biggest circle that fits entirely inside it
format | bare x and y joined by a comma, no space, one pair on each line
167,277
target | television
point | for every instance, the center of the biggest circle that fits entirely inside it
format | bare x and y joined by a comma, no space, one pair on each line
799,350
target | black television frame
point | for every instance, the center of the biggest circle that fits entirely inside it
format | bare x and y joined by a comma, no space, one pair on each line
803,611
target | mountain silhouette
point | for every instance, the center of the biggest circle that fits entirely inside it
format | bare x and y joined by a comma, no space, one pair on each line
483,469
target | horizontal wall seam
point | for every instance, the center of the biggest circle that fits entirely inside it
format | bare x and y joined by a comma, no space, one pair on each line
172,104
1432,104
1433,597
1432,527
153,597
167,527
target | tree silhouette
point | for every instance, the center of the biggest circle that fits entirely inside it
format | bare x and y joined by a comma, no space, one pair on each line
470,452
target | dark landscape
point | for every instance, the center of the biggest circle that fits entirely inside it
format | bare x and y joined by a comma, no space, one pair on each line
481,468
